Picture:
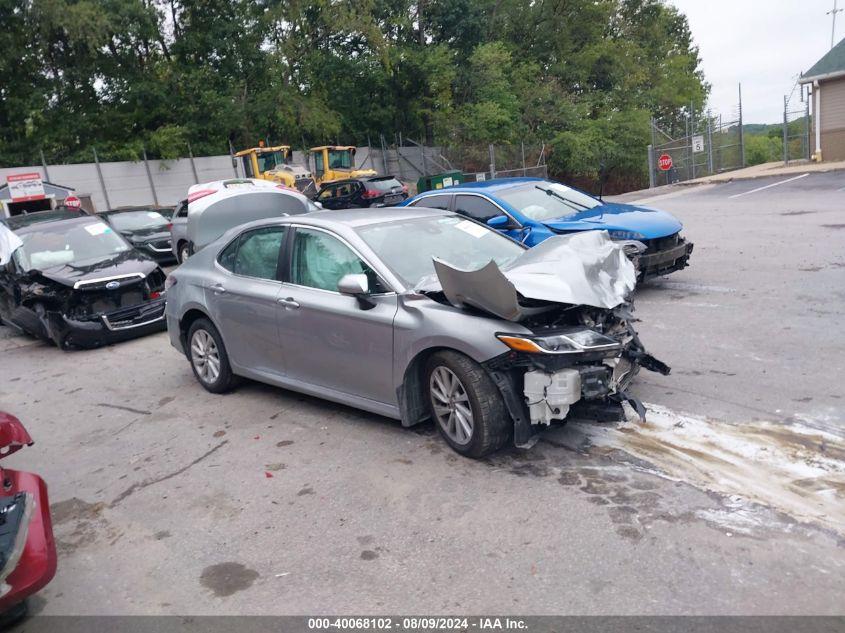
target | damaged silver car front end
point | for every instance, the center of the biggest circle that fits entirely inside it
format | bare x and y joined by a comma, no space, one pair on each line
572,293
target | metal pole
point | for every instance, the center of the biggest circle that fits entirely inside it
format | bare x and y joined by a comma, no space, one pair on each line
524,172
398,139
422,155
709,143
102,181
149,176
193,165
492,162
785,134
651,167
806,145
232,156
44,165
692,133
741,133
383,156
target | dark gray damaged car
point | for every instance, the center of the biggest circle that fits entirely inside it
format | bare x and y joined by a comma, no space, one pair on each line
415,314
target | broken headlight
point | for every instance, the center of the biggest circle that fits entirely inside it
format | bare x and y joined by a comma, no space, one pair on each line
568,342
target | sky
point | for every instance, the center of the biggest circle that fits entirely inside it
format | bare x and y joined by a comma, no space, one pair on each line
763,44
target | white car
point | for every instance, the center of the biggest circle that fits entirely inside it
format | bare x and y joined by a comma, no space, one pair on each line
224,204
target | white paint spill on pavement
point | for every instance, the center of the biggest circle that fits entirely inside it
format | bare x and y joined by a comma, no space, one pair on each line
790,467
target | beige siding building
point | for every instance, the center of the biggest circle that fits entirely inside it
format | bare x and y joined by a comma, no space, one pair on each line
827,81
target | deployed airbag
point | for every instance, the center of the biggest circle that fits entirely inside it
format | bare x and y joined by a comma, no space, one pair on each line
585,268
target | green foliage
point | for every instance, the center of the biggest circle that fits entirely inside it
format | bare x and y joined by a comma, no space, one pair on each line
760,148
121,75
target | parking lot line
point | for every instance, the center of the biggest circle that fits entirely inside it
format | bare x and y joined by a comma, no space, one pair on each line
774,184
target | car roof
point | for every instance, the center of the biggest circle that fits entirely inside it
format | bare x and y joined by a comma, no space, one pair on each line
141,207
351,218
51,224
487,186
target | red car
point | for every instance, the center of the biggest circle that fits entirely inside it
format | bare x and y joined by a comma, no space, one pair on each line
27,547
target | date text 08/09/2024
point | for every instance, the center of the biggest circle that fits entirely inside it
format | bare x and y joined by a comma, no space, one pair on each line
417,623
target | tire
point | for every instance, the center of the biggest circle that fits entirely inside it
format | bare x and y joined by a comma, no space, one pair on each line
184,252
204,345
490,424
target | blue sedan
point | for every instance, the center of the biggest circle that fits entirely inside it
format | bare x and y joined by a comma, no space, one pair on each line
532,209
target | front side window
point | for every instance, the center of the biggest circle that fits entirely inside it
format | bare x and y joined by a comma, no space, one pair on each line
320,260
477,208
247,160
258,253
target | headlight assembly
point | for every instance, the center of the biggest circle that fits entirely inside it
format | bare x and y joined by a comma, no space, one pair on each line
574,341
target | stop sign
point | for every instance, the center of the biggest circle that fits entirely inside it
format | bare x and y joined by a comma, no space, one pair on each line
664,162
72,202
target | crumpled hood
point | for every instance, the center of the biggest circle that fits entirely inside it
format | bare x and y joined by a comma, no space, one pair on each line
650,223
586,268
123,263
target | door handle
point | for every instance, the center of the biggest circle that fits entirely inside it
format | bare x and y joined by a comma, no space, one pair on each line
218,289
289,303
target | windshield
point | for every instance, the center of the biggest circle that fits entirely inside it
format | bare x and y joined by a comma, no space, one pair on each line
340,159
407,246
547,200
270,160
138,220
57,244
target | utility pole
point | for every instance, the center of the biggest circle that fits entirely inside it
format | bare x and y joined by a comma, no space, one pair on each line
833,13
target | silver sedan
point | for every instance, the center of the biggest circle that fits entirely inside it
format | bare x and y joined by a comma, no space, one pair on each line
414,314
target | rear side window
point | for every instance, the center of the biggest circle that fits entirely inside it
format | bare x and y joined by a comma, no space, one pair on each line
477,208
227,258
254,254
434,202
258,252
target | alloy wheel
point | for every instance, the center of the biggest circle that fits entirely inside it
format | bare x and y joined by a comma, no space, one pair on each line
205,356
451,405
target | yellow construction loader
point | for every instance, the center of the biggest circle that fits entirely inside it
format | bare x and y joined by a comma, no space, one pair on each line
336,162
274,164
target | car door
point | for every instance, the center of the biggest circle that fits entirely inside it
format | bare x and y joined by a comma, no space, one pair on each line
242,297
328,338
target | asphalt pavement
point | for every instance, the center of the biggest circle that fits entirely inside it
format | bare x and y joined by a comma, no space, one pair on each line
729,500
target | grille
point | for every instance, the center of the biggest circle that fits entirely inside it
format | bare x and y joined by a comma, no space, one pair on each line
662,243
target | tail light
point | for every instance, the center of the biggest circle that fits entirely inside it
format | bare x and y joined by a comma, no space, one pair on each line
155,294
202,193
369,194
169,225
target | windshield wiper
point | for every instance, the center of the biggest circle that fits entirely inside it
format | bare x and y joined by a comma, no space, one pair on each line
571,203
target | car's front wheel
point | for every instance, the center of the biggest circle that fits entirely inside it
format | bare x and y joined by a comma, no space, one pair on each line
466,405
208,357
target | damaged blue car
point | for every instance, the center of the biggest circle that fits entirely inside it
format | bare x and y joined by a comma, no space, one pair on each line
531,210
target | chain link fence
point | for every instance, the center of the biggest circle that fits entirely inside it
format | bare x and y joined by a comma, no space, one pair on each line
707,144
796,127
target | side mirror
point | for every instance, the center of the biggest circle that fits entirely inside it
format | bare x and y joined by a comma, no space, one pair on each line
501,222
356,285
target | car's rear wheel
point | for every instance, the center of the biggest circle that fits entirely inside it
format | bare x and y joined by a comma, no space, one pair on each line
184,252
466,405
208,357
